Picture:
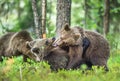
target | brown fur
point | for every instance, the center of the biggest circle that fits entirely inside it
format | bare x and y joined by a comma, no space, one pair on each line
75,55
41,46
14,44
97,53
56,57
4,41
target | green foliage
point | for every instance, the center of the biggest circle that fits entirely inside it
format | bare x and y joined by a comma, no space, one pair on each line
17,15
114,41
41,71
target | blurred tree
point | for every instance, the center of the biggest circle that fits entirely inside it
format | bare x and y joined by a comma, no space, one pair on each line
50,18
106,17
114,16
63,14
18,9
94,15
26,20
43,20
16,15
86,7
100,18
36,19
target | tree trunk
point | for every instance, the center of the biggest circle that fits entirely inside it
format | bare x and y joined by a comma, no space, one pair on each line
36,19
86,11
43,20
63,14
99,23
106,17
19,10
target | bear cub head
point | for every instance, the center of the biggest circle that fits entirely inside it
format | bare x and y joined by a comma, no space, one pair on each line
69,36
41,46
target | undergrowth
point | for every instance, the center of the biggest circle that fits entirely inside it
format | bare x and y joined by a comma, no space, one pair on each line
16,70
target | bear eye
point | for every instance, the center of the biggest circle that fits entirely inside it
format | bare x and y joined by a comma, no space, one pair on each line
46,43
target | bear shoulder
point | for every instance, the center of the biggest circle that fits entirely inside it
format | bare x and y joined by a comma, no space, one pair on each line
18,41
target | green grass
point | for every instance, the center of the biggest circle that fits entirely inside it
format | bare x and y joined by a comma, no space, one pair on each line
17,70
20,71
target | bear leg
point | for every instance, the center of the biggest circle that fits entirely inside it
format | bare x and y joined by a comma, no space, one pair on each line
75,56
100,62
25,58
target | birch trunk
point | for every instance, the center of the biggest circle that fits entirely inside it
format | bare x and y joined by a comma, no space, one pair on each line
36,19
63,14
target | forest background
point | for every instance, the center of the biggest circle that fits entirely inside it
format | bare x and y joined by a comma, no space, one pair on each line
17,15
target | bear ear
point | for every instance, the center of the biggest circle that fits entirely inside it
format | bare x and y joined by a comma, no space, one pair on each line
67,27
28,45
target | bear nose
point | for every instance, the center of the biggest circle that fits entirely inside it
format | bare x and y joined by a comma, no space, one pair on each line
35,50
55,43
37,59
53,38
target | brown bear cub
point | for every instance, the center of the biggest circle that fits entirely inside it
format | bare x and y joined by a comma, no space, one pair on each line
55,56
85,46
15,44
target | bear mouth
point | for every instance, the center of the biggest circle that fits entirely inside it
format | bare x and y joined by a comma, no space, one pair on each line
65,48
38,54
